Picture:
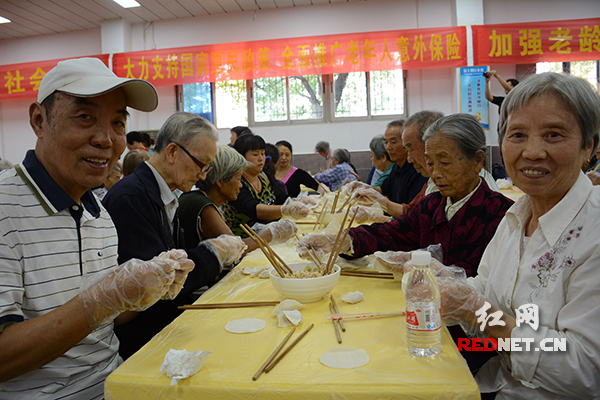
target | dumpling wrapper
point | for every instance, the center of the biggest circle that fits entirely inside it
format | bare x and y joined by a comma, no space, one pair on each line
345,358
264,274
294,316
180,364
282,320
352,297
245,325
252,270
288,304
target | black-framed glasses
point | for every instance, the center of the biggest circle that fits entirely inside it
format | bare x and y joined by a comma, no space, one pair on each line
203,167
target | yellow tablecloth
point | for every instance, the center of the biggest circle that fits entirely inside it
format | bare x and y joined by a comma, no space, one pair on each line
227,374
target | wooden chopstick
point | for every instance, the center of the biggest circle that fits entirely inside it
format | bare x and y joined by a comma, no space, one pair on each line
273,253
341,242
335,243
267,254
344,205
337,311
287,350
335,200
367,272
272,356
336,324
358,274
209,306
320,217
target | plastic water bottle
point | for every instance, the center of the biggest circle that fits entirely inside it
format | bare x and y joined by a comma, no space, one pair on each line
423,317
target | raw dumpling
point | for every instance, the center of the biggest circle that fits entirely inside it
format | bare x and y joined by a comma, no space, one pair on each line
352,297
288,304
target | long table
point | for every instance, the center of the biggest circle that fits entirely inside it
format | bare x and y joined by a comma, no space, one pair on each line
227,374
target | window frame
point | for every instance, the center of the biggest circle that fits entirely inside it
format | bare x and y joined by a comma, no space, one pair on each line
328,106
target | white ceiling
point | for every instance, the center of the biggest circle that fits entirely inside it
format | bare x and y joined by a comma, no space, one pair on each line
46,17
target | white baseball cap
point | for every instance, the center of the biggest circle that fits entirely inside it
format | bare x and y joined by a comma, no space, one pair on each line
89,77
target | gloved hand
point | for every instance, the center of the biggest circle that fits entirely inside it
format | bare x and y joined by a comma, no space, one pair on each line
394,260
368,214
369,196
181,271
322,242
132,286
459,304
227,248
594,177
294,209
282,230
322,189
311,202
350,187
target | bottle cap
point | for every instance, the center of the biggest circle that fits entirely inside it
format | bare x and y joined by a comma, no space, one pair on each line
419,257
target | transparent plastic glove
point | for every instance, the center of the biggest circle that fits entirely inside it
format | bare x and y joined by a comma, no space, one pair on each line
594,177
393,260
181,271
132,286
227,248
294,209
368,214
459,304
307,200
369,196
322,242
349,188
322,189
282,230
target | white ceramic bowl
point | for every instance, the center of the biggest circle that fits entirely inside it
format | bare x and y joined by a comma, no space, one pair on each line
304,290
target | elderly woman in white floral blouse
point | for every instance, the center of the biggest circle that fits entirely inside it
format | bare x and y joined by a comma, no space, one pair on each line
546,250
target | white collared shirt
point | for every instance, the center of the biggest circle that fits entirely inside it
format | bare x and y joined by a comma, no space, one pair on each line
452,208
559,271
166,195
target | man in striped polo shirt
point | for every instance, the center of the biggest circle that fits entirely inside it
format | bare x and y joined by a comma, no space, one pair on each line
60,286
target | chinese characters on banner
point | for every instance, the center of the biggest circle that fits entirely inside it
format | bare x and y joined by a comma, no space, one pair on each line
371,51
472,94
21,81
528,43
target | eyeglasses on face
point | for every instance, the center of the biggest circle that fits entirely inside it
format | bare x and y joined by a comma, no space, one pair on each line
203,167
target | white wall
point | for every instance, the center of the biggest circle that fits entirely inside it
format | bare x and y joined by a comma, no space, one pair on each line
427,89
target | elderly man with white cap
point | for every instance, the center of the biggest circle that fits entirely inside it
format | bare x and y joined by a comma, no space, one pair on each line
61,290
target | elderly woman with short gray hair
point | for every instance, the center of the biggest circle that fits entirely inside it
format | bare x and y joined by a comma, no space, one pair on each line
199,210
340,173
462,216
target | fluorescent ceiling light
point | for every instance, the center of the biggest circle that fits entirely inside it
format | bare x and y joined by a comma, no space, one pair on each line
127,3
4,20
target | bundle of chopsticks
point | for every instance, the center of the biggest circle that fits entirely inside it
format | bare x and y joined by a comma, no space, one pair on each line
276,261
339,241
323,211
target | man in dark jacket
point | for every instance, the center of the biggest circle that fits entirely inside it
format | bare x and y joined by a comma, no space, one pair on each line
143,207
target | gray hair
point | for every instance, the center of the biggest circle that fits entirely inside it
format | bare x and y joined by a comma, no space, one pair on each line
398,123
464,129
183,128
322,147
342,155
576,94
377,146
424,119
227,163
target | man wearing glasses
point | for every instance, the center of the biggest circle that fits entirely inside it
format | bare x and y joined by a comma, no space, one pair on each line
143,208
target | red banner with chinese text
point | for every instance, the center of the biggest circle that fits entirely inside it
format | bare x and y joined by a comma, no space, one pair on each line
371,51
21,81
532,42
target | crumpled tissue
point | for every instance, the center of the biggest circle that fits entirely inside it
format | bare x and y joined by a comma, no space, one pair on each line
180,364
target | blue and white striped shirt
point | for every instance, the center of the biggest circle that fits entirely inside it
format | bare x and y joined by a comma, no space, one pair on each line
42,267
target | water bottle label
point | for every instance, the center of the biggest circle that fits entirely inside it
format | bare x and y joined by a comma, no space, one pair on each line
423,319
